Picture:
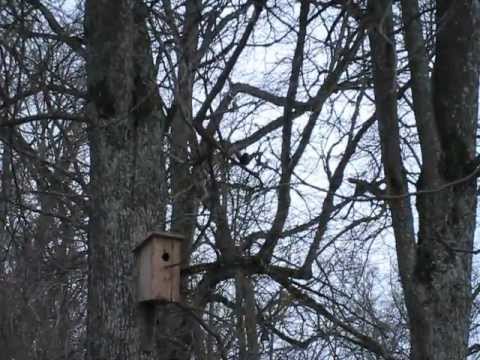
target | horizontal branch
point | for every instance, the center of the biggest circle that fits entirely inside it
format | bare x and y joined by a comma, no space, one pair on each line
269,97
43,117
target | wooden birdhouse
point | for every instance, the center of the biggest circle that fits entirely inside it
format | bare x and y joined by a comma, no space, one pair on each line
157,267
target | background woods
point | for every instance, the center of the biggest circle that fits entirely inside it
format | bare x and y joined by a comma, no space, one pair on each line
319,157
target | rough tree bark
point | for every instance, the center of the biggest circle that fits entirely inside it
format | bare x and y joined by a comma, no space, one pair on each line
435,267
127,176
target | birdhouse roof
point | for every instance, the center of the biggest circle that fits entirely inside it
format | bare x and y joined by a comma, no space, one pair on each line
158,234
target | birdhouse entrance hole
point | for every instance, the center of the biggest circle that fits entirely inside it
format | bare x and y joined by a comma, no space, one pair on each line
166,256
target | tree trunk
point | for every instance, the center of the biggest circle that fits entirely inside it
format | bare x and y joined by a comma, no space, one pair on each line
127,176
246,318
177,336
435,269
447,218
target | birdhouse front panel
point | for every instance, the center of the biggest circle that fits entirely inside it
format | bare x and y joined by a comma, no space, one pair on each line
158,268
166,267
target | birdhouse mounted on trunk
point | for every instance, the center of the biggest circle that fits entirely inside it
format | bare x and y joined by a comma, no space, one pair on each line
157,267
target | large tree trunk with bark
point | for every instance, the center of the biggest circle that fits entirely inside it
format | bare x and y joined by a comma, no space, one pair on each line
127,169
435,267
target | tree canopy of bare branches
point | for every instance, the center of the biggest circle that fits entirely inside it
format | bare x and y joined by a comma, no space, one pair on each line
318,157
